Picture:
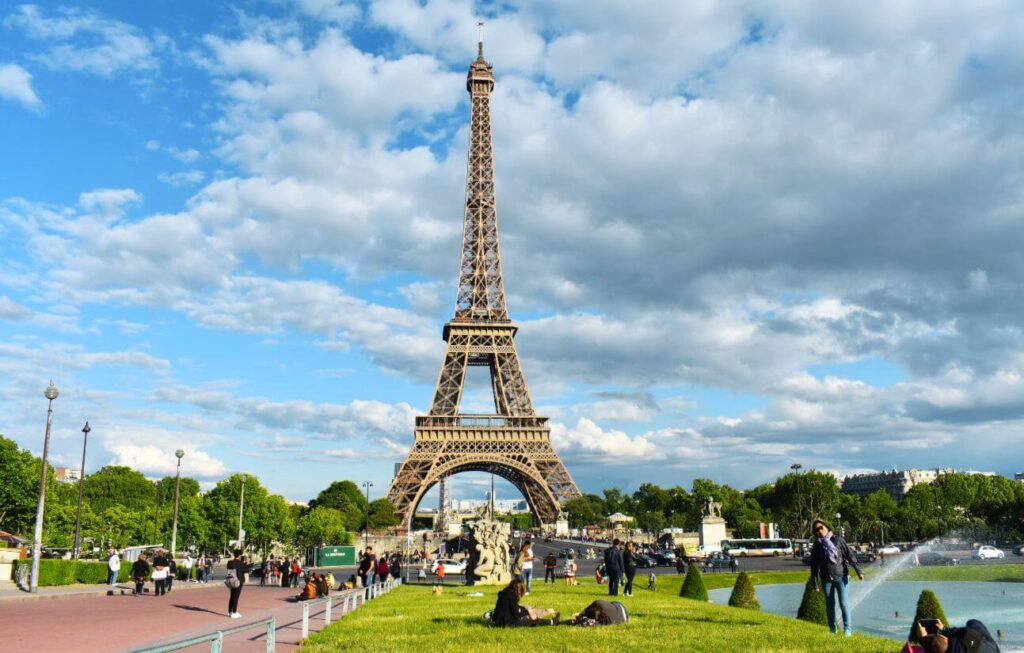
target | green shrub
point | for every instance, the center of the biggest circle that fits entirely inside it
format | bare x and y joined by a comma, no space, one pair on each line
693,585
69,572
928,607
812,606
743,594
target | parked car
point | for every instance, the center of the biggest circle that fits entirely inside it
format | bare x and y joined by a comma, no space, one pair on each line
450,566
718,561
984,552
645,561
888,549
865,556
931,558
567,552
664,559
1018,550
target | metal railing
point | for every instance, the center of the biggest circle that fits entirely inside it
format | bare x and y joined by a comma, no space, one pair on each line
350,600
216,639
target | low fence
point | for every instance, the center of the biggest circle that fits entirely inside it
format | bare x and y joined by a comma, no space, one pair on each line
346,600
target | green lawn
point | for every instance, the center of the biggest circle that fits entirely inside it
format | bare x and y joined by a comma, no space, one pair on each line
1006,573
411,619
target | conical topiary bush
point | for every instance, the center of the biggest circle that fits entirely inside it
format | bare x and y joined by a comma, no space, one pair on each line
812,607
693,585
743,594
928,607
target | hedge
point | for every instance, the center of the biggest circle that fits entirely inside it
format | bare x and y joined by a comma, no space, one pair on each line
812,605
70,572
693,585
928,607
743,594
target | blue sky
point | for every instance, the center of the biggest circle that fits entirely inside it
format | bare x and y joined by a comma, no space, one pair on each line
734,237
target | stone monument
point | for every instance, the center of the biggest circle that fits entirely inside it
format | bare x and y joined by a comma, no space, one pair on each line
490,563
712,526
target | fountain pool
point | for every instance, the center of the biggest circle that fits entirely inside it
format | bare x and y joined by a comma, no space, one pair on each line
999,605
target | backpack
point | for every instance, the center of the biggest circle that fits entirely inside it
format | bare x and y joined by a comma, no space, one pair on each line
232,580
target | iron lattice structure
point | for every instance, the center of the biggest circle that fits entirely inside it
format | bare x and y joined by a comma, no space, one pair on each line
514,442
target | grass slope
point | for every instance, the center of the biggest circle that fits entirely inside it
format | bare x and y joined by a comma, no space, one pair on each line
411,619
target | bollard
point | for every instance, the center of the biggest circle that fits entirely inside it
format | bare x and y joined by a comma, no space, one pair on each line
272,635
305,620
327,612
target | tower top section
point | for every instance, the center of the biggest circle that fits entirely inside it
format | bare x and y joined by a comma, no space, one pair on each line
481,76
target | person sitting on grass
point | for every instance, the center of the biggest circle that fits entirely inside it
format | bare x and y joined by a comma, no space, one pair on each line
972,638
602,613
508,611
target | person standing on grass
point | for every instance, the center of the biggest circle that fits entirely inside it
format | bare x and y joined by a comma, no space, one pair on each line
234,582
629,567
831,559
140,571
613,567
570,570
526,558
550,562
114,565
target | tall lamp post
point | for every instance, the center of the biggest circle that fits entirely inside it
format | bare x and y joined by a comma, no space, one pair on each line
81,482
796,467
50,393
177,485
241,506
366,531
839,524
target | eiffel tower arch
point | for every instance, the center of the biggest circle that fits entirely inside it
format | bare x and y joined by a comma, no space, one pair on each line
513,442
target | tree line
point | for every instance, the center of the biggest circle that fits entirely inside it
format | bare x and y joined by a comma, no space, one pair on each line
972,505
121,507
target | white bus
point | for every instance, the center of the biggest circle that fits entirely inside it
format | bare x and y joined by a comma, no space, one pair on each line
757,547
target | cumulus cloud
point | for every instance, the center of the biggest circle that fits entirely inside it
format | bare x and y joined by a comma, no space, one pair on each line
16,86
589,442
155,460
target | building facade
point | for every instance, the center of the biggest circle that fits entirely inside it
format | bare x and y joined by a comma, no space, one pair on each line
896,482
66,474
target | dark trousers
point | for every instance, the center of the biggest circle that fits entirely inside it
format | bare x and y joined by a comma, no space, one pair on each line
170,582
233,599
139,584
613,582
285,579
161,586
549,572
628,589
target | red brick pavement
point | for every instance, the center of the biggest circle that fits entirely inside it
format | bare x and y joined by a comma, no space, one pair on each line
107,624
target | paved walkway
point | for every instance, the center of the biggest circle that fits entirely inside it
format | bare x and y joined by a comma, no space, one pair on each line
99,623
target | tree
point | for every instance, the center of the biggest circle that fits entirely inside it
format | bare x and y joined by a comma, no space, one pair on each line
693,585
382,514
266,517
928,607
19,487
585,510
118,485
345,497
321,525
743,593
812,605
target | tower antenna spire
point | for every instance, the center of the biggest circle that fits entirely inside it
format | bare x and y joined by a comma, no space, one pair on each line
480,40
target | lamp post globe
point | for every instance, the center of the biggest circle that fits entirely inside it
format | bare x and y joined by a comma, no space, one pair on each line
50,393
180,454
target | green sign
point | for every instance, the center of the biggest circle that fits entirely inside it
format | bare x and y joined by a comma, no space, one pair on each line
336,556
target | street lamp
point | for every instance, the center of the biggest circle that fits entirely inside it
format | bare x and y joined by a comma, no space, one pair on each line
50,393
81,482
796,467
177,484
241,506
839,524
366,531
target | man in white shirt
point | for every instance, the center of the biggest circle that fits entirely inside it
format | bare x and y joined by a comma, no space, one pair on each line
188,567
114,565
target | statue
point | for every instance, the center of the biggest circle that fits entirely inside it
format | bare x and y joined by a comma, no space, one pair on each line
712,508
489,551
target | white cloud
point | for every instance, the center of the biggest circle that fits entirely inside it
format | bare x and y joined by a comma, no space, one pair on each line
16,85
112,46
182,178
159,460
109,202
12,310
588,441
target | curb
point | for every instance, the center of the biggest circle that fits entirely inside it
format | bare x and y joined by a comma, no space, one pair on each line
26,596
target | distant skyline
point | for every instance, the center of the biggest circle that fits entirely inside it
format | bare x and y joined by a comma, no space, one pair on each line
734,237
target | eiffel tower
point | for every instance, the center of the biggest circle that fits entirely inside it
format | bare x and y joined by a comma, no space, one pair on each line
514,442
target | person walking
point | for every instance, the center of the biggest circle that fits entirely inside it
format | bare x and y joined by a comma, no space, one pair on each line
172,572
234,582
526,558
140,571
159,574
550,562
114,565
831,559
613,567
368,567
629,567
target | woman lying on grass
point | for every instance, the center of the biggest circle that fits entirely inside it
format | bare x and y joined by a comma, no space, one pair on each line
508,612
